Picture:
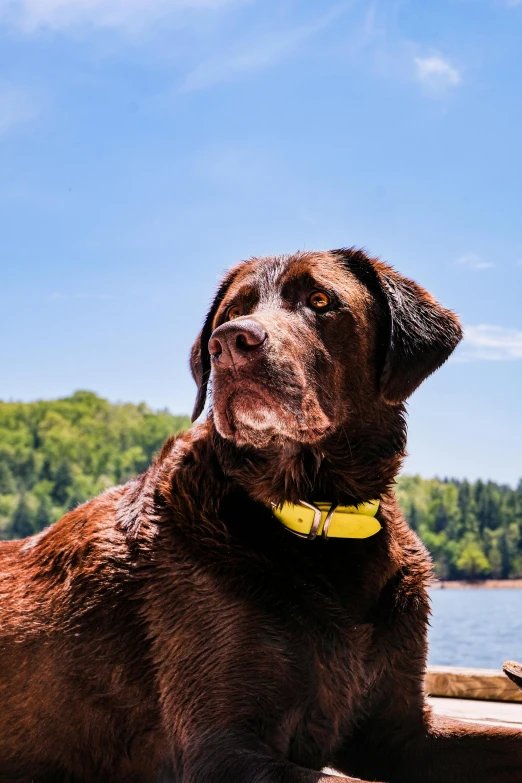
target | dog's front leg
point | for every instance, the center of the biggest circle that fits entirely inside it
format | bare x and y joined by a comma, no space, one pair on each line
221,759
421,747
246,767
459,752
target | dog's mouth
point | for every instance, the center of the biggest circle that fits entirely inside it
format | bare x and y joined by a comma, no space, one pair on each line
254,417
251,418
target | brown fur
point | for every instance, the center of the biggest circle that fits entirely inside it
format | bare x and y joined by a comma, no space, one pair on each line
173,630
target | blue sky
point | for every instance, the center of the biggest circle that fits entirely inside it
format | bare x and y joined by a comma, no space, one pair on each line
146,145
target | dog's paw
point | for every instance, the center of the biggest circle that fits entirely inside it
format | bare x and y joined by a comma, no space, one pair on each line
513,670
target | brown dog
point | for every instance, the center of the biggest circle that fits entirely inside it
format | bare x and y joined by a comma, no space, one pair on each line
173,629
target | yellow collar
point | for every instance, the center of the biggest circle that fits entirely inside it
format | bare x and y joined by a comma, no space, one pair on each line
309,521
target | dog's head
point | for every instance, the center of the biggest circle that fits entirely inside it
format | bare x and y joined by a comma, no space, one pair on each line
300,345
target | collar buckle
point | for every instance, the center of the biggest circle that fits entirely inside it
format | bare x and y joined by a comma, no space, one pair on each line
328,519
316,521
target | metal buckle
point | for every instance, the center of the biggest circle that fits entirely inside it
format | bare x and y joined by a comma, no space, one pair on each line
315,524
328,519
317,520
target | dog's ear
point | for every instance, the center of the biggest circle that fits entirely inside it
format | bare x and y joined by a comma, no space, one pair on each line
420,334
196,368
199,355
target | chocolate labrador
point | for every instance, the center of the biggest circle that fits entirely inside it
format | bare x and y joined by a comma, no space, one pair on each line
253,608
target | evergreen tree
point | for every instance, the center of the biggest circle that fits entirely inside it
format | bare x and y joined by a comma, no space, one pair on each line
7,481
441,517
495,562
63,480
43,517
27,471
21,523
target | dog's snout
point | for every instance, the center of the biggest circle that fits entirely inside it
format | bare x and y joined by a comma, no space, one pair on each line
236,342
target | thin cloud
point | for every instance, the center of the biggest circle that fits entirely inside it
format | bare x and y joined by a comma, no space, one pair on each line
17,106
474,261
124,15
436,72
485,342
264,54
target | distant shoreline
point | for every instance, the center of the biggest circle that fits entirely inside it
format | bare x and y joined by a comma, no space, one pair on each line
488,584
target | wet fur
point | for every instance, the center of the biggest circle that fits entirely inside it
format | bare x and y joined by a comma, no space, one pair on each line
172,630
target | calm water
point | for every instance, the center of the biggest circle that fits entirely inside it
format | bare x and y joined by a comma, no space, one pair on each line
475,627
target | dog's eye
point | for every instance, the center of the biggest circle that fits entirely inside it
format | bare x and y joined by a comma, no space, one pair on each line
319,300
233,312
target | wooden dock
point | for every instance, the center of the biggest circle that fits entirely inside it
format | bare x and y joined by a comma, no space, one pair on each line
494,713
477,695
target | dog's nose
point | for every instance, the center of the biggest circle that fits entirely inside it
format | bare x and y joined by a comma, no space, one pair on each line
236,342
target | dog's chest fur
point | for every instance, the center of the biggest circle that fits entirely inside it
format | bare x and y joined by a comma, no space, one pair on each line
286,624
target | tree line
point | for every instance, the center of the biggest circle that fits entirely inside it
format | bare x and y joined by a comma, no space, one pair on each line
57,454
472,529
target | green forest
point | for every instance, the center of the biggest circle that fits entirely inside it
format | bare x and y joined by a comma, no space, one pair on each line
57,454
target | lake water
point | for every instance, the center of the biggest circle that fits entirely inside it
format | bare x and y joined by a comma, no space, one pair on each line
475,627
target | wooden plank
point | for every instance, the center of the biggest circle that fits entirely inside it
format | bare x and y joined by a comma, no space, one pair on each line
463,683
494,713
